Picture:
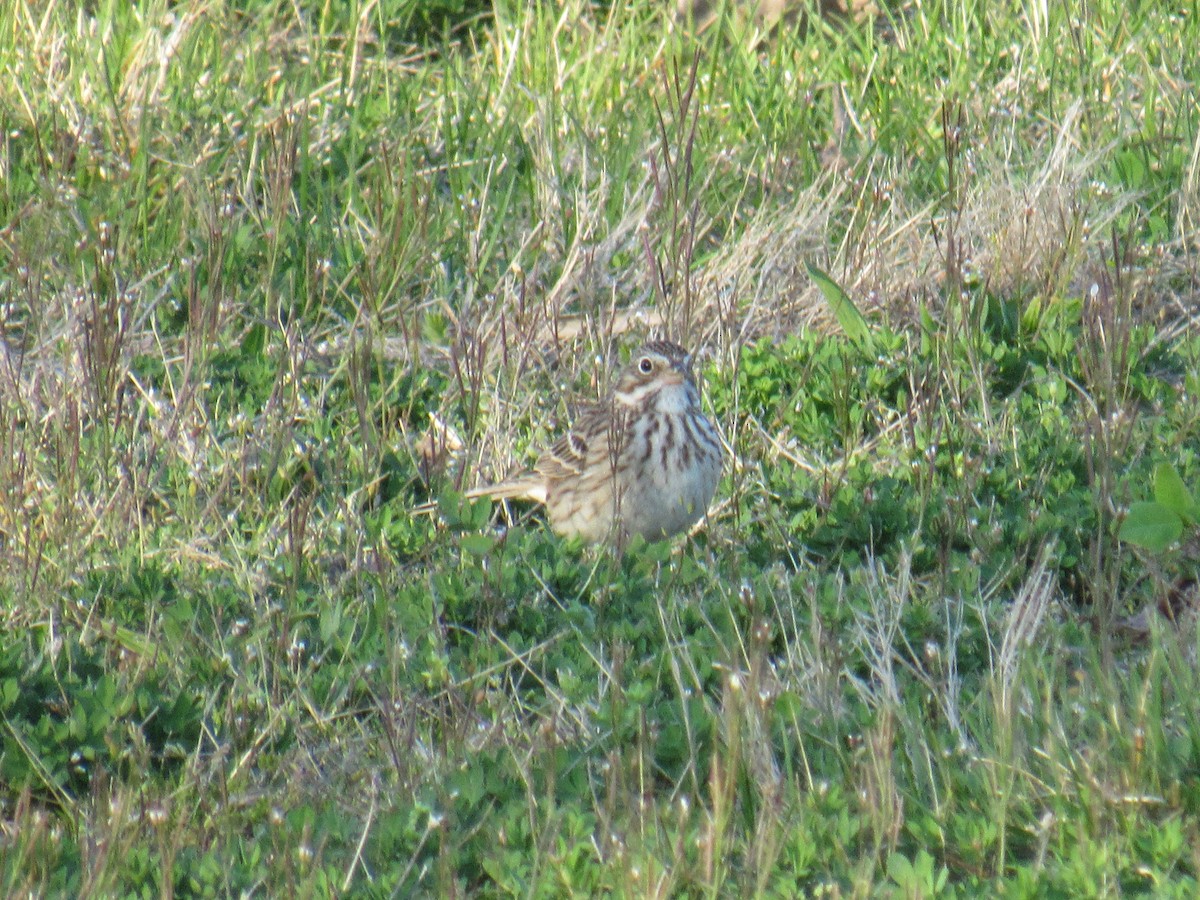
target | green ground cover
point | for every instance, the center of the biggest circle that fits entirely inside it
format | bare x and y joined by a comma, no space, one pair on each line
274,275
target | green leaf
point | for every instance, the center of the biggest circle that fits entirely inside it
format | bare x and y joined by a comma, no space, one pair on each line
900,870
256,340
453,507
10,691
1171,492
1151,526
479,545
844,310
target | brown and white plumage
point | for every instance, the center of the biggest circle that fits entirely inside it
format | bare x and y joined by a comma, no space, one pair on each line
645,461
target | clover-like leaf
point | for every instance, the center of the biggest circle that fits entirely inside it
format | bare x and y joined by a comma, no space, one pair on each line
1151,525
1171,492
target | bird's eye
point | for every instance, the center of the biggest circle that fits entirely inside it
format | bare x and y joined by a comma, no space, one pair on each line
646,365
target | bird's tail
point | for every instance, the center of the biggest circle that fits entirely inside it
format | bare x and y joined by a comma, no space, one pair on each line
528,487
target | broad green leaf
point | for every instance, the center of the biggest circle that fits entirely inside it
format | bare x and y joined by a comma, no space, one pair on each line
900,869
844,310
1171,492
453,507
1151,526
478,545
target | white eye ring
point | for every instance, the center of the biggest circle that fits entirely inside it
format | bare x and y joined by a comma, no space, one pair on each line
646,365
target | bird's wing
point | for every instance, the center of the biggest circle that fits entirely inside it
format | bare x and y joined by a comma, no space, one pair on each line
568,456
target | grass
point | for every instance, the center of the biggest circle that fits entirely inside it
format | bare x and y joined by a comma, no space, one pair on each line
277,274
